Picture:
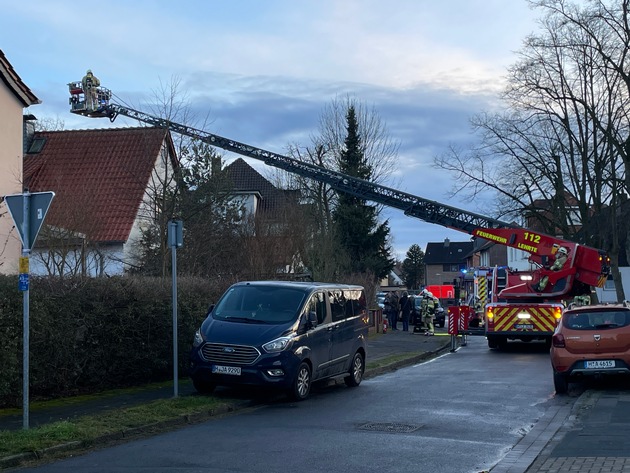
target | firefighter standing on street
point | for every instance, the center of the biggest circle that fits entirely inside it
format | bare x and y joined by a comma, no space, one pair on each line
561,258
428,310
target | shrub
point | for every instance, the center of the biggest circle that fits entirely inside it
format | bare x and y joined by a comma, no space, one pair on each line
88,335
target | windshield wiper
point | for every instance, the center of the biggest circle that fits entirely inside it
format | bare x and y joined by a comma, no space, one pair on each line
247,320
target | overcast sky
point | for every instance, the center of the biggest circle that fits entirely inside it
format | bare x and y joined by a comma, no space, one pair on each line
263,70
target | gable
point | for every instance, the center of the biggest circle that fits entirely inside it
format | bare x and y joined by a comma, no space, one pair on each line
99,177
245,179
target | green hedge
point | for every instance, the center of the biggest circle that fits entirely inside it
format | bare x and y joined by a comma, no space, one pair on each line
95,334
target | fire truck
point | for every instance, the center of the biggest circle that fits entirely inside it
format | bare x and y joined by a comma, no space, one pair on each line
521,310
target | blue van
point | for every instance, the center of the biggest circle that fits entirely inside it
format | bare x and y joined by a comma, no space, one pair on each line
282,334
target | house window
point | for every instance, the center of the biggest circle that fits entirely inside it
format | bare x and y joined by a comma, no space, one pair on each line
36,146
451,268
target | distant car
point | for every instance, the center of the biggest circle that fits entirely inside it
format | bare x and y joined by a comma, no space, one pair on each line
380,299
439,318
591,340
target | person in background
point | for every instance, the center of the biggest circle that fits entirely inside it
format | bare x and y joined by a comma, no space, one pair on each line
90,83
391,309
406,304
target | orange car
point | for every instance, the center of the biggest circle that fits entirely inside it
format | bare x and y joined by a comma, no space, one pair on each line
591,340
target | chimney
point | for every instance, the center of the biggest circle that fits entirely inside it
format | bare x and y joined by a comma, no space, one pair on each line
447,242
215,168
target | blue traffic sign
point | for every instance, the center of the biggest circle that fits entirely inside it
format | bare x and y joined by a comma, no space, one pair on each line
23,282
38,205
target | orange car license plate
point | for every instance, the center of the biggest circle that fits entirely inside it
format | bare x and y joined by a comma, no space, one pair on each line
599,364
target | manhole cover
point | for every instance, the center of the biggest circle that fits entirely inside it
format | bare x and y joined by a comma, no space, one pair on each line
392,427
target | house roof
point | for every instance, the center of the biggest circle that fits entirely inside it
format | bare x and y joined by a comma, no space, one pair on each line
99,177
15,84
246,179
447,252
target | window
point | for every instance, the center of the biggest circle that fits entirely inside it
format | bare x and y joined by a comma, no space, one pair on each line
452,268
317,304
36,146
337,305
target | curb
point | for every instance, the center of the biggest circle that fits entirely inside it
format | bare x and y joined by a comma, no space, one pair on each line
427,355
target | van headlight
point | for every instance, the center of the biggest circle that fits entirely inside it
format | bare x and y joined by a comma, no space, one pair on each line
198,340
279,344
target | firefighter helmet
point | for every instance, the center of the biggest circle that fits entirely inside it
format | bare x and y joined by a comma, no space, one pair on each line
563,251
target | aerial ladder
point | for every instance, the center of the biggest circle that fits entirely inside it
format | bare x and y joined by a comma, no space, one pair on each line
586,266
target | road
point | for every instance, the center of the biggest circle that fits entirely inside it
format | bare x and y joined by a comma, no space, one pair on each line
461,412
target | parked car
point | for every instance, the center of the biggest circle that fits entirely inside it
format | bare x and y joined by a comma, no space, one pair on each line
380,299
591,340
439,320
282,334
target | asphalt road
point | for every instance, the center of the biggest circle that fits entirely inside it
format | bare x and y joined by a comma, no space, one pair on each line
461,412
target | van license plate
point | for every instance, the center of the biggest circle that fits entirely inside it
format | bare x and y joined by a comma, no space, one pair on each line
599,364
233,370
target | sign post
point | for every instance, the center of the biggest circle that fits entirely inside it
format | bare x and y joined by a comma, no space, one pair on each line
175,240
28,212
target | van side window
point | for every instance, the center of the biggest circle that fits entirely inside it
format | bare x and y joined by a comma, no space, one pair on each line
355,302
337,305
317,304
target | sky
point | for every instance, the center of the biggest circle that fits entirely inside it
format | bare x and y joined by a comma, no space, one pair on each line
262,72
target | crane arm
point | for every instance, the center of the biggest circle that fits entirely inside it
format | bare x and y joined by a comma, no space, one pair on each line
413,206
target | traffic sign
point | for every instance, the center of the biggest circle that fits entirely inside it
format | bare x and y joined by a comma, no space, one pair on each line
38,203
23,280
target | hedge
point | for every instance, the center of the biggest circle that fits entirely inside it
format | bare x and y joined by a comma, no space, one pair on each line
91,335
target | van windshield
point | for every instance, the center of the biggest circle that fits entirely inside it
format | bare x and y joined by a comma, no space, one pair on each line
260,304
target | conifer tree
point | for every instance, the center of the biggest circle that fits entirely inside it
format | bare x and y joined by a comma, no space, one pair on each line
364,240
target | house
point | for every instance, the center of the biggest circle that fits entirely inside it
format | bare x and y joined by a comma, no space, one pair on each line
444,261
274,235
255,193
14,97
105,181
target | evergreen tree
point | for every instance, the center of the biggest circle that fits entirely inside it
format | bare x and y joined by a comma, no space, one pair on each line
364,240
413,267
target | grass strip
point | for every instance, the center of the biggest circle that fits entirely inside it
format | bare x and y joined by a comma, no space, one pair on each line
88,428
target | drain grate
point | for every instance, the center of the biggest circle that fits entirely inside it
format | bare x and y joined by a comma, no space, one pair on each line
391,427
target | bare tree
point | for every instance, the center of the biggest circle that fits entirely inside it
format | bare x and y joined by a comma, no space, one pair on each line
562,130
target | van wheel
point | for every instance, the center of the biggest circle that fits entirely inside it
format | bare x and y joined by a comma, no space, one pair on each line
356,371
560,382
203,387
302,383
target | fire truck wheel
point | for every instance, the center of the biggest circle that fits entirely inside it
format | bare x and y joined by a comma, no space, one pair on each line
493,343
560,382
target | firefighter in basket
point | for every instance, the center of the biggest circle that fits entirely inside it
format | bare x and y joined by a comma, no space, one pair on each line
561,258
90,83
428,311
